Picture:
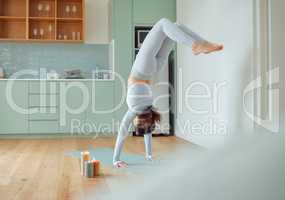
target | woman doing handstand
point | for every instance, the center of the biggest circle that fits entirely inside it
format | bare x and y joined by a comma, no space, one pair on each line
152,56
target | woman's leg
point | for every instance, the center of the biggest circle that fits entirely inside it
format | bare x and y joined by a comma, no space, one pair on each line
168,45
160,41
190,32
163,54
157,46
174,32
123,134
184,35
148,146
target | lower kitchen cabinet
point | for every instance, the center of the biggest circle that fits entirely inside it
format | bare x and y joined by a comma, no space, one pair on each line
43,127
43,103
12,121
74,99
72,107
100,112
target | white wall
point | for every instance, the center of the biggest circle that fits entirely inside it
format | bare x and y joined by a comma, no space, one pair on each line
230,23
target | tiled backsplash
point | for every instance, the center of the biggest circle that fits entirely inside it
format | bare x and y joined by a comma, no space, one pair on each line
59,57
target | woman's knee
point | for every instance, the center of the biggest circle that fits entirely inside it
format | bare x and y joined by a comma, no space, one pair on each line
164,21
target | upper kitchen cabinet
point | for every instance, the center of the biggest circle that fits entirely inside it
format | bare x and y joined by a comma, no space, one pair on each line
150,11
13,8
13,19
42,20
98,21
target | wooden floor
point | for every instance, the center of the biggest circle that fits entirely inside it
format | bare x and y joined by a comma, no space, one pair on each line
38,169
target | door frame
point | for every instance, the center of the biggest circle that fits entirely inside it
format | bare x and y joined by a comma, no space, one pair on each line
264,98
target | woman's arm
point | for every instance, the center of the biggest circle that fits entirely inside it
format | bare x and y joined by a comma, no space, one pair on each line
148,146
123,134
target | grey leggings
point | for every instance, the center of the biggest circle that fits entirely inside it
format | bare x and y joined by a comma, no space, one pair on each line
157,46
152,56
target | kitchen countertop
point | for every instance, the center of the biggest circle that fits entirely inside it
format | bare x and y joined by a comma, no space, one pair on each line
57,80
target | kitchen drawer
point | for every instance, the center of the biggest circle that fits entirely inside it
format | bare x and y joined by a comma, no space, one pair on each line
44,116
43,100
43,127
43,87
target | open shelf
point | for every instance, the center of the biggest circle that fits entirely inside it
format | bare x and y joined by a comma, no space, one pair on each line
12,18
69,19
42,20
41,29
69,9
69,30
12,29
13,8
42,8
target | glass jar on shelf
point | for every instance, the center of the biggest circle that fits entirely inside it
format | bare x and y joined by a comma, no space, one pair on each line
40,8
47,10
67,10
74,10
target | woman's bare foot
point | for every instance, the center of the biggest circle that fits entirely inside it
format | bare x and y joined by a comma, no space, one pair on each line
205,47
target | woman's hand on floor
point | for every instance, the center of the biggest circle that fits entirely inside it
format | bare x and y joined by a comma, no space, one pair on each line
149,158
120,164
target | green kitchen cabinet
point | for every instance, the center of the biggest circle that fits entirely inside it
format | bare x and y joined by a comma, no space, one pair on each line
122,19
43,102
43,127
12,120
43,87
74,100
100,112
150,11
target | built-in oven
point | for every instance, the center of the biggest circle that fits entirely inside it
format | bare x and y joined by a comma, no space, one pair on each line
140,34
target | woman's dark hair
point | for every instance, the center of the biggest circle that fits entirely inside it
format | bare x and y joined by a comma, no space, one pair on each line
146,121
